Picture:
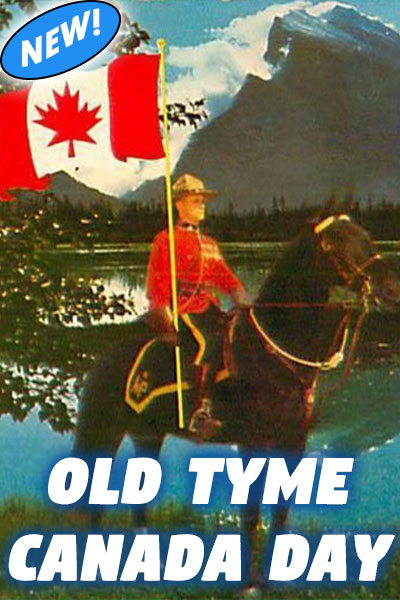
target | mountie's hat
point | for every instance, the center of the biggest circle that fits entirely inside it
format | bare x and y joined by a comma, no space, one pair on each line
189,185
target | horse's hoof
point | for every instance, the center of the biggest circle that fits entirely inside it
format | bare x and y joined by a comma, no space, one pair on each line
252,592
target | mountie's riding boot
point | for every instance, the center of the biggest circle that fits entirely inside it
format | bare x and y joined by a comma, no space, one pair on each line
201,423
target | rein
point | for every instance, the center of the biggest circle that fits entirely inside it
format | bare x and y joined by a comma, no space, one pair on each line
325,365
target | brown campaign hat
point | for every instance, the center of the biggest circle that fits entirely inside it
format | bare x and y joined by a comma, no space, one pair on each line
189,185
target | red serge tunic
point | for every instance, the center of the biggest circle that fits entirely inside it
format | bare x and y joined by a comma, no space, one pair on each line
200,270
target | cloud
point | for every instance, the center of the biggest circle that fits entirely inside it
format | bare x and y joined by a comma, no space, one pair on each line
220,66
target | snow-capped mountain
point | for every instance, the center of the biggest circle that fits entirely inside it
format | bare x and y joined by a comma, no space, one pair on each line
327,120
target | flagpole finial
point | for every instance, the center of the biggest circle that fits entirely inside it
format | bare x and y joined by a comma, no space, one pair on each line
161,43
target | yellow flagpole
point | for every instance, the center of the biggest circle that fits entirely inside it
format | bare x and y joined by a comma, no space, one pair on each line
168,189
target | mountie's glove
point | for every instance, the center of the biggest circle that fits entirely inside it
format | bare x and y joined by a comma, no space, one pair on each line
160,321
240,297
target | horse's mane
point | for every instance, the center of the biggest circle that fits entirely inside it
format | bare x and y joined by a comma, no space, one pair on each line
296,263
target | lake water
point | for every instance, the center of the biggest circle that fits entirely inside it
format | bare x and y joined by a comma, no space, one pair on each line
366,410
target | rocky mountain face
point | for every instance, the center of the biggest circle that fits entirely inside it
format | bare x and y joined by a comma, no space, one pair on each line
327,122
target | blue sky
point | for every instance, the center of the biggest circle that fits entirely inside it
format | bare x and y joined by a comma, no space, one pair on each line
188,22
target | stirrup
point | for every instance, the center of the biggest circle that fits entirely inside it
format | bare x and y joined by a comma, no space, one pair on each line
202,424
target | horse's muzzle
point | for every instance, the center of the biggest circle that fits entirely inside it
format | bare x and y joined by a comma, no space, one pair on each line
385,286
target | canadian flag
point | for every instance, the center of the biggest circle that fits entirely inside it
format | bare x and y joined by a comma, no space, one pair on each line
82,120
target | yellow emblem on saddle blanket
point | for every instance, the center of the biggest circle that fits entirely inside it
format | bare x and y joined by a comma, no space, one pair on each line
142,385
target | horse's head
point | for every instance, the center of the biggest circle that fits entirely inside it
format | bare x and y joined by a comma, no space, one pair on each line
349,258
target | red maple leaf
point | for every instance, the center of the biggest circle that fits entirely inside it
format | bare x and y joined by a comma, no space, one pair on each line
68,121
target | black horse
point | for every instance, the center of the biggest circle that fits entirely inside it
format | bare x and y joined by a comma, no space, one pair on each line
277,348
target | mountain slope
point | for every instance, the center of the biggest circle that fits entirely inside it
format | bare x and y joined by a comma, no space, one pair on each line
65,187
327,122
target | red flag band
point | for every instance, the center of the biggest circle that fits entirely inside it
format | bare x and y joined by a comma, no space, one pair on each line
16,164
132,84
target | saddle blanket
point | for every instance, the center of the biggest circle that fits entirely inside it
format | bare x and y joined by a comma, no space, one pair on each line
153,371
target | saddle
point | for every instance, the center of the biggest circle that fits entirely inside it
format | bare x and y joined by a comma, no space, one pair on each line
152,374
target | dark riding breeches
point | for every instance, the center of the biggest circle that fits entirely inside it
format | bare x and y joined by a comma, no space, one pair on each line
208,330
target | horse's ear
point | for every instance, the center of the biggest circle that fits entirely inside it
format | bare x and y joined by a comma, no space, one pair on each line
328,209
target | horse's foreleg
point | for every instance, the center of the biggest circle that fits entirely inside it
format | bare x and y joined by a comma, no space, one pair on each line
279,519
109,448
293,440
280,513
251,525
91,516
250,520
149,448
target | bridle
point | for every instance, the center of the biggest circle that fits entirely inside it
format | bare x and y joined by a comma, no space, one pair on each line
346,268
350,272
